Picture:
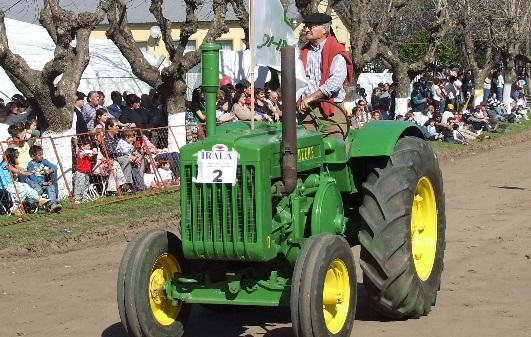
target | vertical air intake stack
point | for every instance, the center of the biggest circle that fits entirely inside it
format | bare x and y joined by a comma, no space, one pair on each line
210,79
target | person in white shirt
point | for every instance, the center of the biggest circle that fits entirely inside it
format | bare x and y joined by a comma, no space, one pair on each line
449,113
499,86
425,116
487,85
164,172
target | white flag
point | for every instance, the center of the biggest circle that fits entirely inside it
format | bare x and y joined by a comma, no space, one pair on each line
272,31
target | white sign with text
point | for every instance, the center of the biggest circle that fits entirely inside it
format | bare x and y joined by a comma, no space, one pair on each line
217,166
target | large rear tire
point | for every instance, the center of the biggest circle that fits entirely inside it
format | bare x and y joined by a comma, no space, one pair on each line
152,259
403,231
326,301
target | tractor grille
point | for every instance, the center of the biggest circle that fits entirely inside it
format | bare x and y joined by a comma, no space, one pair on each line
220,213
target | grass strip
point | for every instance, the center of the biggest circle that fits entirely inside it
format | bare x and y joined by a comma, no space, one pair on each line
87,217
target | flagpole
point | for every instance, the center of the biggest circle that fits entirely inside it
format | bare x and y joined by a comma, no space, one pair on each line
252,46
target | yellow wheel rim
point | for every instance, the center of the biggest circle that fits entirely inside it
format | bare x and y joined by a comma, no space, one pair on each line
424,228
336,296
163,269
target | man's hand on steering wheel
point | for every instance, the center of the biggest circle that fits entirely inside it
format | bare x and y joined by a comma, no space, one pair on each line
302,105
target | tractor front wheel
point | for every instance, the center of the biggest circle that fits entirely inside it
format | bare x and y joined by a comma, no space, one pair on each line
403,231
151,260
325,287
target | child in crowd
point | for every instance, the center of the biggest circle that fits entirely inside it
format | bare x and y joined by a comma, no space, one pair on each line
432,131
83,169
18,141
32,133
125,145
165,174
223,115
44,177
20,192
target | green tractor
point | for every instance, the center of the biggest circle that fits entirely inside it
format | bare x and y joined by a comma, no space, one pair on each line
269,216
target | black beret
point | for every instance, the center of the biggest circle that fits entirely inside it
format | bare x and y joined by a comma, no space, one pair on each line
80,95
317,19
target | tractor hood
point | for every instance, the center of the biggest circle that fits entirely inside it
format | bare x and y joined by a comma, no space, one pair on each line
260,146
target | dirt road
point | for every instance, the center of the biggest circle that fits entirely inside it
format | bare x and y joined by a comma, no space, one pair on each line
486,288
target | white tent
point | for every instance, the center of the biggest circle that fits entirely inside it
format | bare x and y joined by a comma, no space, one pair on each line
107,70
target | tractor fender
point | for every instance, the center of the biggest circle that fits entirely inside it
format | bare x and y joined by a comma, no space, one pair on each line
378,138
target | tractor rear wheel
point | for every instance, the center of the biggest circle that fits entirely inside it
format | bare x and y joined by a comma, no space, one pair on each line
403,231
326,301
151,259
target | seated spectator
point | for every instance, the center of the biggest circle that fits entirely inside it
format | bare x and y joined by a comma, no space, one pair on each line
457,137
275,104
245,87
43,177
158,155
31,132
241,110
20,192
478,120
107,168
81,178
409,117
101,118
18,141
423,117
377,116
223,115
261,107
432,132
165,174
17,110
442,128
449,112
360,116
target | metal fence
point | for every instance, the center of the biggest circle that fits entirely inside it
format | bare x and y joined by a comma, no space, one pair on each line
81,168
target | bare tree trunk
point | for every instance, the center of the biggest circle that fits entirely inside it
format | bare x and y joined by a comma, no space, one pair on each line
54,102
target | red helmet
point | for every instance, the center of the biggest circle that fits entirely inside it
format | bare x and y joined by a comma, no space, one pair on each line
225,80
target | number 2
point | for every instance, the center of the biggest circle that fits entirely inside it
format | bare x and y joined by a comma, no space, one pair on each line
217,179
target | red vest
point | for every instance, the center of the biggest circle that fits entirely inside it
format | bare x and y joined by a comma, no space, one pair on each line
330,49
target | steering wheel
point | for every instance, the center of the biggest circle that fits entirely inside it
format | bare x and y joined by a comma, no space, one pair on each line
322,124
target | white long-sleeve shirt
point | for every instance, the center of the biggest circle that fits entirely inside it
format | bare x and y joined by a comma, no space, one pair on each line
333,86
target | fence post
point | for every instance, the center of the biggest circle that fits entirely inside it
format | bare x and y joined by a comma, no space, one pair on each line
151,159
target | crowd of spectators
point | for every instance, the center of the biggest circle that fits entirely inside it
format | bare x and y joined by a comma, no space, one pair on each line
441,104
233,103
118,144
115,148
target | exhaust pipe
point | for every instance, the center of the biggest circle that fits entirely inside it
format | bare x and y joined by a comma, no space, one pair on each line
289,135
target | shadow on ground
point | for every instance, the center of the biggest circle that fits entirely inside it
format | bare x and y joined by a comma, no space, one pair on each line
247,321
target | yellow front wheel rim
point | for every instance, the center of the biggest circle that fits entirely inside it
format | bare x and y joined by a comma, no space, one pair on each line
424,228
336,296
161,307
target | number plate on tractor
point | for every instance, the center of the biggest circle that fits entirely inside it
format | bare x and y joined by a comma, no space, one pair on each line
217,166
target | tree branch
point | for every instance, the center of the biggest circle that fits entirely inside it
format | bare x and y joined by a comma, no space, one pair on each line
12,63
120,33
